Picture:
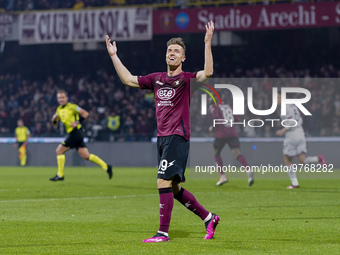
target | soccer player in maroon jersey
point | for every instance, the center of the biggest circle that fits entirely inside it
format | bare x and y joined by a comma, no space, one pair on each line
172,99
227,134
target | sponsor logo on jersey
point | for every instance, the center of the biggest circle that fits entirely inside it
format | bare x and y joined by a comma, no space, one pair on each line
165,103
166,93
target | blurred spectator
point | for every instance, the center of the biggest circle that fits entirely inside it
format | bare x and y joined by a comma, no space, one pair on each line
38,129
50,130
78,5
113,122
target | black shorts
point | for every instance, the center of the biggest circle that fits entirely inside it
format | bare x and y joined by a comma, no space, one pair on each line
20,144
173,154
233,143
75,139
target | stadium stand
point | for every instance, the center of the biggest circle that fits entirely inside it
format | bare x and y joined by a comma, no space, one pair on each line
120,113
29,5
35,102
105,97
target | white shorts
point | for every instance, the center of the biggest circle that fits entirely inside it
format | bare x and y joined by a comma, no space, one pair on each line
294,147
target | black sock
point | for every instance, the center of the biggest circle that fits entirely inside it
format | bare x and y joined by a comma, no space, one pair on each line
207,223
159,234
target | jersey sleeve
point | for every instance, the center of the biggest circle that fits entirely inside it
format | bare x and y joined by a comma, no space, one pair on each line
75,108
191,75
146,82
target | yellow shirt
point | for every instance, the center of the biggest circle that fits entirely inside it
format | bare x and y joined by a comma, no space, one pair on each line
22,133
69,113
113,122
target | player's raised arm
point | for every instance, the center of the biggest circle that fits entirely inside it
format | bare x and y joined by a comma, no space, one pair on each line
124,74
208,58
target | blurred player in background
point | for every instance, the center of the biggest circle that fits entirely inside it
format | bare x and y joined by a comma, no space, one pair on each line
227,134
172,99
72,116
22,134
294,144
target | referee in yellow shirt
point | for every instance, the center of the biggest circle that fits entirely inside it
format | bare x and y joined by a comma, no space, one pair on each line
22,134
72,115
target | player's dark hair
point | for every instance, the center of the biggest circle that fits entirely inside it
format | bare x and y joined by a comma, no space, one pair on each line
60,91
176,40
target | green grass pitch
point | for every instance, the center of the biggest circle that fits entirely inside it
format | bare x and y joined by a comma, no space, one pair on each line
90,214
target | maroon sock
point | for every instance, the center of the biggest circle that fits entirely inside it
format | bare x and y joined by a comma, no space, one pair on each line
189,201
219,163
242,160
166,202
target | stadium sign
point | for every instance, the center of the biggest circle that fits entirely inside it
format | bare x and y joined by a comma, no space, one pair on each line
85,26
8,27
277,16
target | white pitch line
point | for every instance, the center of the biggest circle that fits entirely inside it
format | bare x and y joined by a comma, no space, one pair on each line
109,197
74,198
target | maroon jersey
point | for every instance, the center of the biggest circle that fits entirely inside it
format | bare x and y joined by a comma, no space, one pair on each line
224,112
172,99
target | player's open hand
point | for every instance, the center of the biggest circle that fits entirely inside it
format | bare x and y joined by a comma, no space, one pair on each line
111,47
209,31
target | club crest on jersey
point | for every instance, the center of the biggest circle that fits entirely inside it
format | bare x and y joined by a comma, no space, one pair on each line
177,83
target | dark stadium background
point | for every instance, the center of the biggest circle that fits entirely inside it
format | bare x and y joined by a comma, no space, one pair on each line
31,74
